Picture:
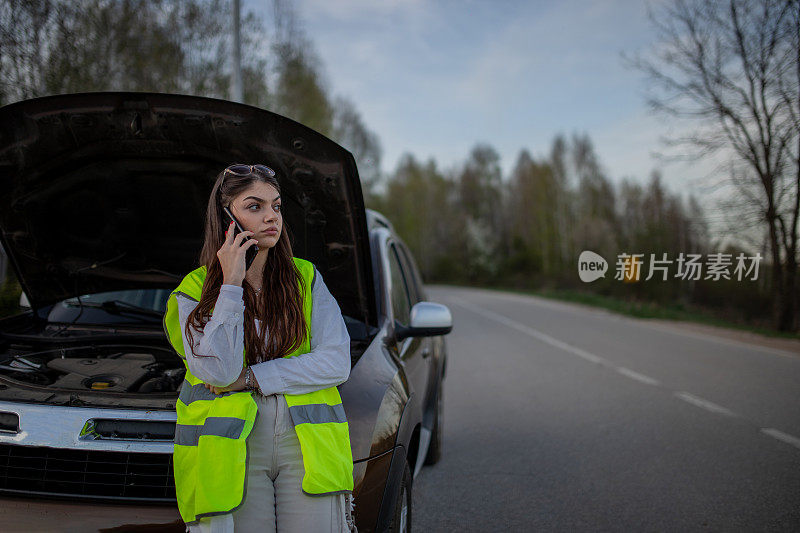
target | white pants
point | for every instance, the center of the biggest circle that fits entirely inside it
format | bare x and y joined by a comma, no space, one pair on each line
274,500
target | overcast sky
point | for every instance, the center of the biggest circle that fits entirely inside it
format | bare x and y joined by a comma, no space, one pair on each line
435,77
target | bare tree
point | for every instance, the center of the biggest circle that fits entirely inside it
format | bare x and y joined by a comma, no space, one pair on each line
733,68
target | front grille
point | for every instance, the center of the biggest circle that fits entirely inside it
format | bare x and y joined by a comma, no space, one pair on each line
86,474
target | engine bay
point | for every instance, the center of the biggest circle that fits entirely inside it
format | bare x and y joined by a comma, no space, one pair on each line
125,368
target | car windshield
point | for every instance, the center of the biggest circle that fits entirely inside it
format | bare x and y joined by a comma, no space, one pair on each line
150,299
143,305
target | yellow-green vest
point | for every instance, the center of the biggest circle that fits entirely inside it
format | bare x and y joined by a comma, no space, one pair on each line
210,454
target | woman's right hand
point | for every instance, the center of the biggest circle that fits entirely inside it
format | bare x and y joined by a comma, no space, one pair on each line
231,256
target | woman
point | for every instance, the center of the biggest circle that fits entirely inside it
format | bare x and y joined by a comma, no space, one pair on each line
261,442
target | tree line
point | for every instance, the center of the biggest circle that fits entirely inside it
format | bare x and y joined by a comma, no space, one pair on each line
472,225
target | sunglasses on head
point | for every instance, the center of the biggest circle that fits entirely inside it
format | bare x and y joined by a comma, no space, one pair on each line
239,169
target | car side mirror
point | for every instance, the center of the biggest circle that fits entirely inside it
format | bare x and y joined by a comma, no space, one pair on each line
428,319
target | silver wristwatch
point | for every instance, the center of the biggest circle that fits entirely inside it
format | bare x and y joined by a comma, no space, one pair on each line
248,379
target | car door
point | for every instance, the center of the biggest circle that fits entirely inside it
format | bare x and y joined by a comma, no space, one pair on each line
417,294
410,350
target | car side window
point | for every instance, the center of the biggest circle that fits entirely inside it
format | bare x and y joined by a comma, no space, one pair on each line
412,276
400,301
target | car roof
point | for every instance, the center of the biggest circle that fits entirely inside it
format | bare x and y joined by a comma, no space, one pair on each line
376,219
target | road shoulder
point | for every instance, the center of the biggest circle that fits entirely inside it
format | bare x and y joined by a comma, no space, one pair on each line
790,346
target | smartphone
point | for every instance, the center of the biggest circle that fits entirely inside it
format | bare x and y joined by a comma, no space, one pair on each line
251,252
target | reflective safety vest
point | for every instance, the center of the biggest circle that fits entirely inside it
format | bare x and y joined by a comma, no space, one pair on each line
210,454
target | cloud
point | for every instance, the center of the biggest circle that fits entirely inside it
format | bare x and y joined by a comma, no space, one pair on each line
549,48
434,78
358,10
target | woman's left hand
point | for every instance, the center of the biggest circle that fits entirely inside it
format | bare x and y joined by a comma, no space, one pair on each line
235,386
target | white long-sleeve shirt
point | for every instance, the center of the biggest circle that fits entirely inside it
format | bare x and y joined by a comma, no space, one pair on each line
220,346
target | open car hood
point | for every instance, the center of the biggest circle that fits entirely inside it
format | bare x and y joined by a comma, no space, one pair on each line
108,191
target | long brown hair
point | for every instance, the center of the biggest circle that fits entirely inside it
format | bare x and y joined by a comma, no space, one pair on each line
279,306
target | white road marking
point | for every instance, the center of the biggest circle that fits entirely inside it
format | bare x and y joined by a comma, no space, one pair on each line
637,376
497,317
780,435
685,396
705,404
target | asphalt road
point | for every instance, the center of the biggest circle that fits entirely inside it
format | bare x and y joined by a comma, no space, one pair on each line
562,418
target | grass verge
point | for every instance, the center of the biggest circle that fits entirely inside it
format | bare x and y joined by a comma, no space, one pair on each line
641,309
